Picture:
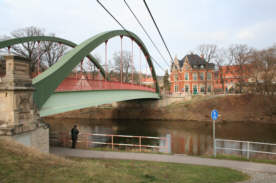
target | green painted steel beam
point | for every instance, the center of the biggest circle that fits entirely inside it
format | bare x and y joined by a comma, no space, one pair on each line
14,41
67,101
48,81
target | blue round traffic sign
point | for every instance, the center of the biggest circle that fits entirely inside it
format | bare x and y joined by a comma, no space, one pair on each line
214,114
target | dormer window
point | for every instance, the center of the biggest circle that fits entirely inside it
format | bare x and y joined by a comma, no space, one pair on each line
195,66
202,66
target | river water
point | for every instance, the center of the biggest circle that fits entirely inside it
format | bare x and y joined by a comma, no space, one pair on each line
187,137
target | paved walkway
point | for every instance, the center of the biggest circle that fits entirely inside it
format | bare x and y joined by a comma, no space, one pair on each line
260,173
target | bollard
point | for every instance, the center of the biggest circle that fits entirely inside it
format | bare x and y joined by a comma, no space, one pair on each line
140,143
112,142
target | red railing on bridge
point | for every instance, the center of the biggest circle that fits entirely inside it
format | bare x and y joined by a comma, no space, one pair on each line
77,84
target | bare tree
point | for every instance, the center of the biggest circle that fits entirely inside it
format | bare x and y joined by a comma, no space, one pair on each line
267,76
51,52
166,82
256,72
209,53
28,50
268,60
239,56
91,68
220,60
47,52
124,64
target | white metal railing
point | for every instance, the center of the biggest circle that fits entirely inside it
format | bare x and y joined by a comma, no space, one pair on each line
64,139
249,147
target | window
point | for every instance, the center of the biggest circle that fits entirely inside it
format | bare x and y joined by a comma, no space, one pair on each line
202,88
201,76
202,66
195,76
195,89
209,88
175,88
209,76
176,77
216,75
186,76
186,88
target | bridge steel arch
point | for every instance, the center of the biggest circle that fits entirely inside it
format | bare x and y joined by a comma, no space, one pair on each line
14,41
49,80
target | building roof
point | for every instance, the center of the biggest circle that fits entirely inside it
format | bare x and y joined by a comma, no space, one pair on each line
194,59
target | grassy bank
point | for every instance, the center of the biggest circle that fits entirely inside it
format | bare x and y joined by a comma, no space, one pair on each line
20,164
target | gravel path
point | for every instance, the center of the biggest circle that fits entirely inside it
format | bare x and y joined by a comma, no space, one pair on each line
259,172
260,177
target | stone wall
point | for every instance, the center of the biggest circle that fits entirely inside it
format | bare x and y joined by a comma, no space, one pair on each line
15,107
18,116
38,138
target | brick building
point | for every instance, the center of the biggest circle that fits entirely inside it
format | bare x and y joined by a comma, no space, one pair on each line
227,78
192,75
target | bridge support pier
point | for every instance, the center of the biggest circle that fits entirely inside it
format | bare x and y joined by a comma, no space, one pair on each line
19,119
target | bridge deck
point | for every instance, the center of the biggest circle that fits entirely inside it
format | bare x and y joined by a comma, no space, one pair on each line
85,84
67,101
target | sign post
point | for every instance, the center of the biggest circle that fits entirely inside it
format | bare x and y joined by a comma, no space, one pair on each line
214,115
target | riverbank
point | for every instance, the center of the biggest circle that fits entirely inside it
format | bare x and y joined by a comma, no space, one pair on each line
22,164
232,108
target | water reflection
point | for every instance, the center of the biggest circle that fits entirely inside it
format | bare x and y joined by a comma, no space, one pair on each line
187,137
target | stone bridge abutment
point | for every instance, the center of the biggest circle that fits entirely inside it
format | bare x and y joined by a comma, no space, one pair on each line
19,118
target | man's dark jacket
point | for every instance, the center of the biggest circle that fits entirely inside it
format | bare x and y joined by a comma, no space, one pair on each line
74,133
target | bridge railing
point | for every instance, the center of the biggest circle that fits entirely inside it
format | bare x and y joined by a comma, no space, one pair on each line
245,148
73,84
90,140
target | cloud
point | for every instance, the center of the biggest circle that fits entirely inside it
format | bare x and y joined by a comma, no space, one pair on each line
260,34
184,24
245,35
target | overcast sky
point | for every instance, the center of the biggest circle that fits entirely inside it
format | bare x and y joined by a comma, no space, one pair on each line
185,24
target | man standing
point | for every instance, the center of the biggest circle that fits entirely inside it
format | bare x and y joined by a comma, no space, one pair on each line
74,134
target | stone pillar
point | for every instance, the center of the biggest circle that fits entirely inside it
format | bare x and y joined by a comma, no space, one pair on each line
18,116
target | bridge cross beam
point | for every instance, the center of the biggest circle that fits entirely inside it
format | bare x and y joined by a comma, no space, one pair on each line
121,58
106,59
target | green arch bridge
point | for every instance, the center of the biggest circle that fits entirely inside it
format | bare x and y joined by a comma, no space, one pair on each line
56,93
